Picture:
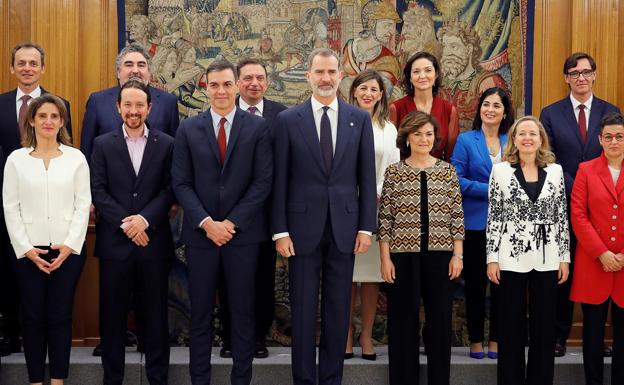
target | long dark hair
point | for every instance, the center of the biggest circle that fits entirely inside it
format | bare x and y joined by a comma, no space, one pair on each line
508,114
380,111
406,82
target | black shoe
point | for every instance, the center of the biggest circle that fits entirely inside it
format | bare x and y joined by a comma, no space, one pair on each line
348,356
607,352
369,357
97,350
10,345
560,349
226,351
261,350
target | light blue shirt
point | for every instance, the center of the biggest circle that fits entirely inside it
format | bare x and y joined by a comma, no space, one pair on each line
216,120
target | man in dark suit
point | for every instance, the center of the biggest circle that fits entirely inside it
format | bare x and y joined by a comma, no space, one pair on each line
27,65
572,125
252,84
323,211
131,189
222,172
133,62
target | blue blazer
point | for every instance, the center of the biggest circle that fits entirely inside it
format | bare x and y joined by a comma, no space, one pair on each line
472,162
117,192
101,115
564,136
304,194
237,192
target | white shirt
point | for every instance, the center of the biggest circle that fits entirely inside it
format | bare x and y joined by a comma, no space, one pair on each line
18,103
615,174
245,106
575,107
332,112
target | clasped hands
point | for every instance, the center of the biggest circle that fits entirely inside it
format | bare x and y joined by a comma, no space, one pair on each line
219,232
45,266
134,227
611,262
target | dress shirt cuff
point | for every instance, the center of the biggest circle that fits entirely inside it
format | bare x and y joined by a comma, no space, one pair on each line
204,221
144,220
369,233
280,235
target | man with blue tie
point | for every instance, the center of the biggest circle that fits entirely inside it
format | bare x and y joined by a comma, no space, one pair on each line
572,125
131,189
323,211
222,173
252,84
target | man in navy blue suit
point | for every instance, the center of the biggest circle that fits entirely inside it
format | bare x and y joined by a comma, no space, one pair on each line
131,189
572,125
27,65
133,62
323,211
222,173
252,84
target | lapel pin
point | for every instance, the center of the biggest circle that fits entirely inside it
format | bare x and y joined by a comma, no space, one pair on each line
351,124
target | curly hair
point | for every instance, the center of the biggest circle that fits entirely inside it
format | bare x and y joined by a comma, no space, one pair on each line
543,157
467,35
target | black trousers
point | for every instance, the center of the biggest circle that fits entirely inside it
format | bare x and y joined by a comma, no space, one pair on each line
542,291
475,276
419,274
594,318
47,302
9,304
565,307
143,282
304,271
265,295
239,267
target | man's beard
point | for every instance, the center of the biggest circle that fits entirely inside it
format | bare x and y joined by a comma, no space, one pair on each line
453,65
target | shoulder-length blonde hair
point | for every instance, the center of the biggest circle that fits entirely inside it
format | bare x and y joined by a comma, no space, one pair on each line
543,157
31,139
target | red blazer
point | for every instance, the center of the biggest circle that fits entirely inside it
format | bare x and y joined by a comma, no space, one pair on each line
597,215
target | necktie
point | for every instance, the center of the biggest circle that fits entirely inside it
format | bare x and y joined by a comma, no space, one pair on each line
22,115
252,110
327,148
582,122
221,141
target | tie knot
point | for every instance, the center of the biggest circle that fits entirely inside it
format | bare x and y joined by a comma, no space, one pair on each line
581,107
325,108
252,110
25,98
222,122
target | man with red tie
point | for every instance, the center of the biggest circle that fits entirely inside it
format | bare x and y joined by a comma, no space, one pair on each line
572,125
222,173
27,65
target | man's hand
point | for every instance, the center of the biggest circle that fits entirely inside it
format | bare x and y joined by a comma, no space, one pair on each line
285,247
141,239
218,232
64,252
133,225
362,243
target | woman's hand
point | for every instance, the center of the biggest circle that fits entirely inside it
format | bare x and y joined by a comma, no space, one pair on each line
609,261
564,271
387,270
493,272
42,264
455,267
64,252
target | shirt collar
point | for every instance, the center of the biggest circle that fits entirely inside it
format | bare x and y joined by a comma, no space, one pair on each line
216,118
34,94
576,103
145,131
245,106
316,105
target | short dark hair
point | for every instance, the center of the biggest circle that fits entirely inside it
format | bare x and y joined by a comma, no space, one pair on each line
323,52
508,114
222,65
250,61
573,59
406,82
611,119
134,84
30,139
28,44
412,123
134,47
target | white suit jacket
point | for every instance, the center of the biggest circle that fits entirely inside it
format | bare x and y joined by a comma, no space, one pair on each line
523,235
386,151
44,207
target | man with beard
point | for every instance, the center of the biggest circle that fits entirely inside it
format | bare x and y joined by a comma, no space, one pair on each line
464,80
323,212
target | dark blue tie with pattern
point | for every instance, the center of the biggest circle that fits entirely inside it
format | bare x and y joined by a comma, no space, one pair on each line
327,148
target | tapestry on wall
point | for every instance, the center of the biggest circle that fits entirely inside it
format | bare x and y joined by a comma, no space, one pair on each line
480,44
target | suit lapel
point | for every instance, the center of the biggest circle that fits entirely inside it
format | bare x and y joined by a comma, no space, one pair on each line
234,133
570,118
605,177
124,155
482,149
15,132
150,148
541,179
308,132
343,132
595,115
212,139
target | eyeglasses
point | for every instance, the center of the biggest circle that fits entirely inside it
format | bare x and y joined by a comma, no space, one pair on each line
609,138
586,74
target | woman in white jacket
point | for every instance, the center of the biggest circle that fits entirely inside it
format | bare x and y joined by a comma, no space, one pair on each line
527,247
46,200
